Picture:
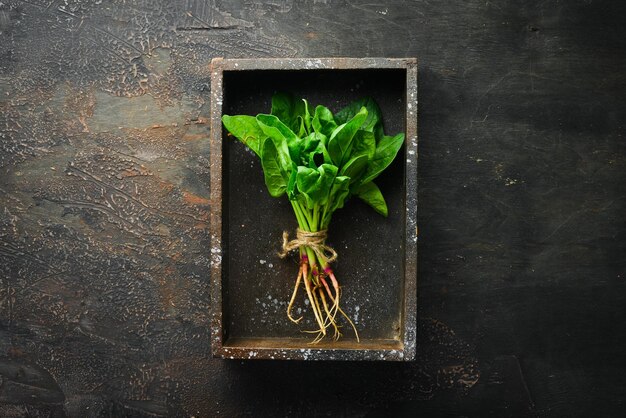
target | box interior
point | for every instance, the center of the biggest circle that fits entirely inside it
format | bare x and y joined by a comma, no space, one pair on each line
257,284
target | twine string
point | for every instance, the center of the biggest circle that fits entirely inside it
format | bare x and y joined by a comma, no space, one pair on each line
314,240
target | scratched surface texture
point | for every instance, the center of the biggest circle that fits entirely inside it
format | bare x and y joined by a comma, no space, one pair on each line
104,207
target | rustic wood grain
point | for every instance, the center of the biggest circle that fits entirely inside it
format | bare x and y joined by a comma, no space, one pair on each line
104,180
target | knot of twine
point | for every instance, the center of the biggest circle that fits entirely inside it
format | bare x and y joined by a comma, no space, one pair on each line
313,240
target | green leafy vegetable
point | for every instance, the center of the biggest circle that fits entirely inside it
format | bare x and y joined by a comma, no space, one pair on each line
315,184
247,130
386,151
319,160
323,121
275,168
355,167
280,133
293,112
370,194
374,117
365,143
341,140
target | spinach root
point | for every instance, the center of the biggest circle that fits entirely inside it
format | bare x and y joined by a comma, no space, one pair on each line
315,269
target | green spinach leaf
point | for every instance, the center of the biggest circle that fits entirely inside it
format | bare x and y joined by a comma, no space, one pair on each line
364,143
246,129
338,193
386,151
319,156
341,140
370,194
276,168
292,189
293,112
279,132
323,121
355,167
374,117
315,184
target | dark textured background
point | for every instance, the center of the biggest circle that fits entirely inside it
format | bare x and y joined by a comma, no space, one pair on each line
104,207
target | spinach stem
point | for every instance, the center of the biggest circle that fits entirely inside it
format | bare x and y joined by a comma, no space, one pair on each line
299,216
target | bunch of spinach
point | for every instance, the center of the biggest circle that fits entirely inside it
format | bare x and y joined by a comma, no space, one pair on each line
319,160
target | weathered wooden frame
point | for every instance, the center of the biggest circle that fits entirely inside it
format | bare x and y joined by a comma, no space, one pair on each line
404,350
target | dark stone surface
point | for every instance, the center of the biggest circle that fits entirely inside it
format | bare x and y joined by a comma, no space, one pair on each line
104,208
